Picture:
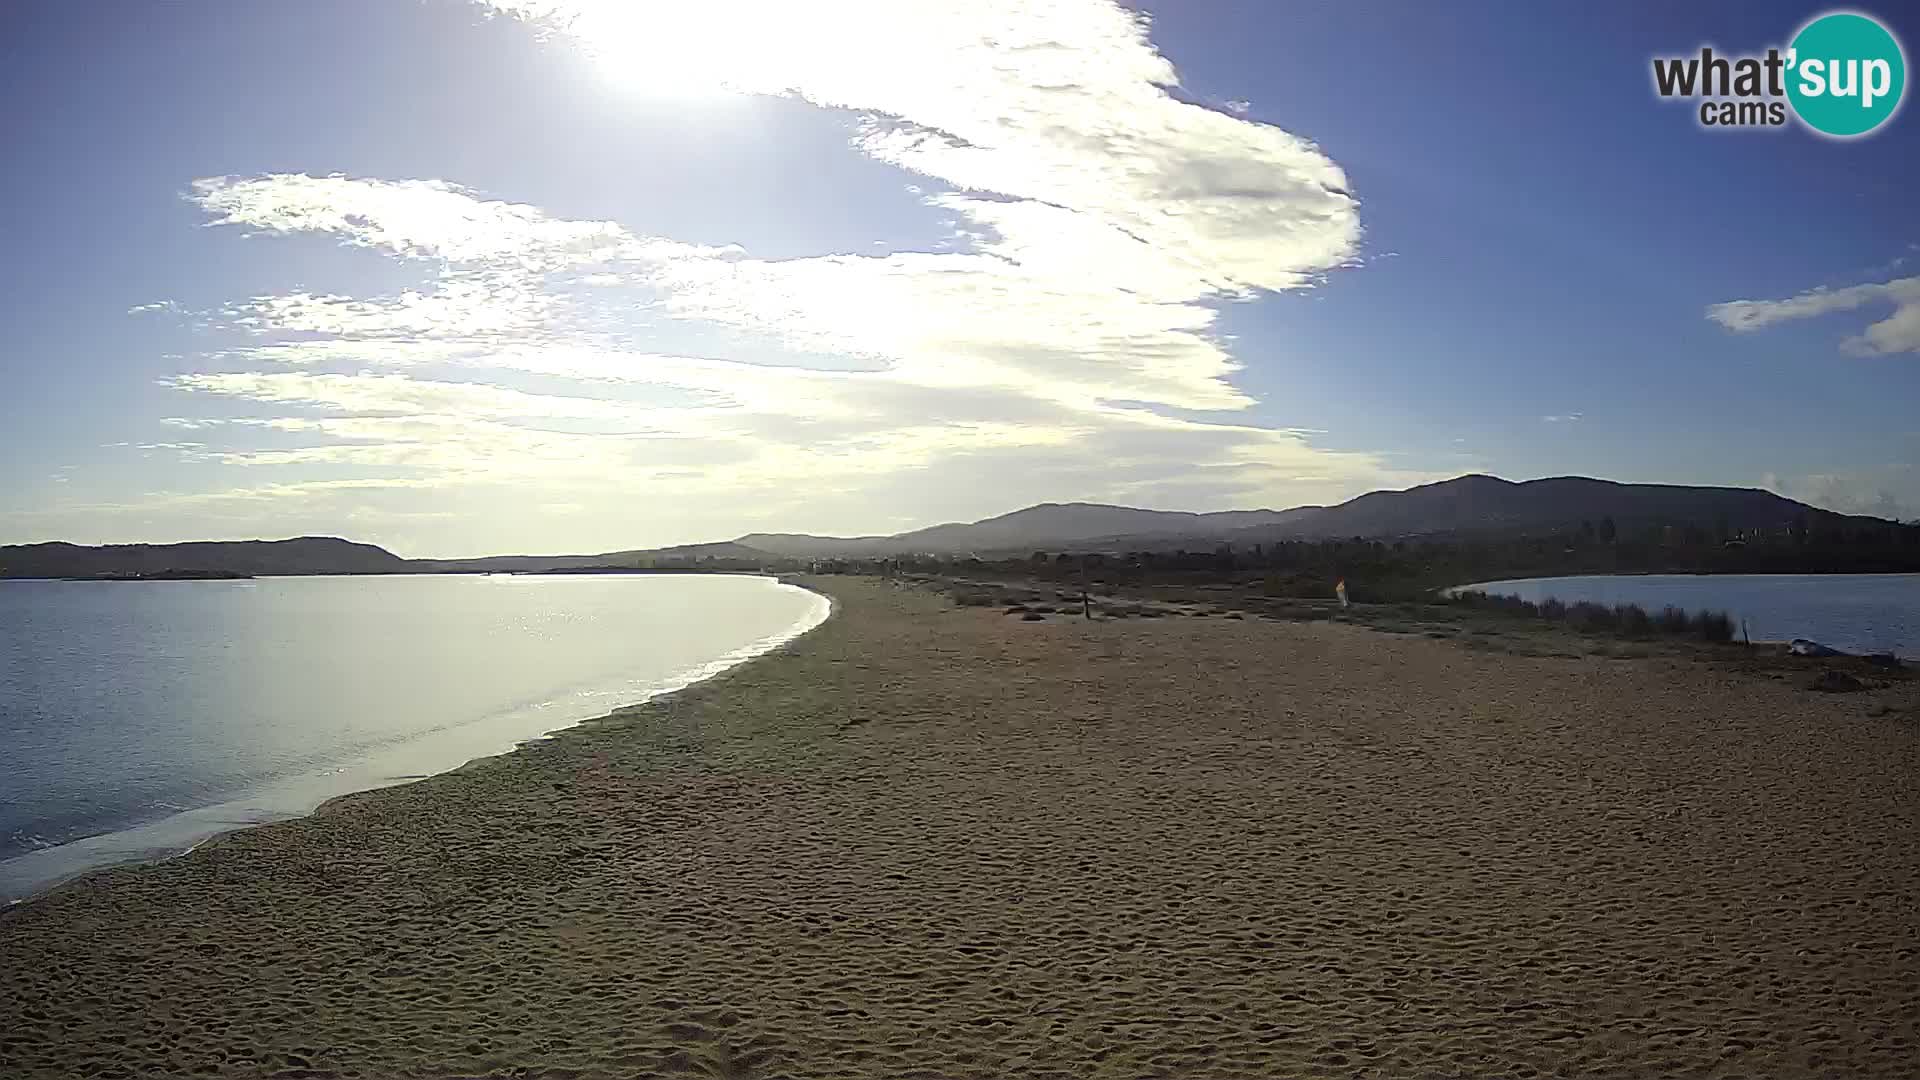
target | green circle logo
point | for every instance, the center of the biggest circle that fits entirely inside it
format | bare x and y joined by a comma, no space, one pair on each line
1846,74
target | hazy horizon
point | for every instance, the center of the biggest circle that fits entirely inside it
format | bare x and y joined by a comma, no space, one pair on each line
543,276
719,540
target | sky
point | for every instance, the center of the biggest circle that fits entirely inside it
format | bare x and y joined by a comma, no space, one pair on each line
462,277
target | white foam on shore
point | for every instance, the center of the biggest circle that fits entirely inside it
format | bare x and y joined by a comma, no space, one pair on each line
28,875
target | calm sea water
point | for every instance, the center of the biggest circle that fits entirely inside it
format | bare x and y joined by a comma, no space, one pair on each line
1851,612
138,718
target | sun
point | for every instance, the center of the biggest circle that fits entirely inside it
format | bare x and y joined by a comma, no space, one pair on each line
679,49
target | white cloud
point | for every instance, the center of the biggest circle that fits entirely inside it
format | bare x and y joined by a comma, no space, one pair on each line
377,393
1563,418
833,427
1100,222
462,305
1056,102
422,219
1897,333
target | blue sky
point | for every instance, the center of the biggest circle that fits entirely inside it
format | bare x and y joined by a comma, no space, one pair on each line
532,275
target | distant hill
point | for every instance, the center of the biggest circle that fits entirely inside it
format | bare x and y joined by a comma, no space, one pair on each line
1043,526
315,555
1270,520
1490,504
723,550
1464,505
301,555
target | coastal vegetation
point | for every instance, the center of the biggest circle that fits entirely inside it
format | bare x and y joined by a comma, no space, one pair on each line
1625,620
1419,567
165,575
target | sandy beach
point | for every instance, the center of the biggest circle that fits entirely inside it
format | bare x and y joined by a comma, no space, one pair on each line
926,841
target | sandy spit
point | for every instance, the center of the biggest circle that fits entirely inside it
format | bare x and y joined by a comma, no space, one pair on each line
931,842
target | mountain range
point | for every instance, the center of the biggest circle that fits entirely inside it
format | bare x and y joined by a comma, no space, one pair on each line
1464,505
1048,524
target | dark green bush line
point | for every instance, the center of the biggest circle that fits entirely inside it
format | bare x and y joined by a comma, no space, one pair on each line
1628,620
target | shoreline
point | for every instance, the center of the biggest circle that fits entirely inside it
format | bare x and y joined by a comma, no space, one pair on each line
1783,619
36,873
938,841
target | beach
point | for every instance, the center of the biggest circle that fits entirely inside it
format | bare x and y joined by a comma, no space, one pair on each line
930,841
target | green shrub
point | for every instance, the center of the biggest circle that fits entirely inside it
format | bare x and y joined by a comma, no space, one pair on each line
1633,620
1627,620
1592,617
1714,626
1511,605
1674,620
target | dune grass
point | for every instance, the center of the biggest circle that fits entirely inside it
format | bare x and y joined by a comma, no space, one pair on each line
1624,620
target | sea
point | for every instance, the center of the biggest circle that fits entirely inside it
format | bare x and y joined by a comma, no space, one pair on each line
1856,613
139,718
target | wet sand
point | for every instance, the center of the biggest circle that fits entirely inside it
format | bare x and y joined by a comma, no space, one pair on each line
937,842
